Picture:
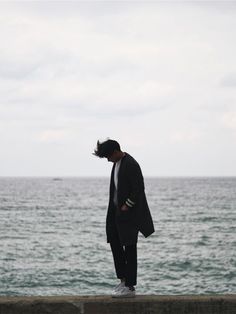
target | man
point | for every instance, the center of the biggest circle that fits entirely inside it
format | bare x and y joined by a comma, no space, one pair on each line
127,214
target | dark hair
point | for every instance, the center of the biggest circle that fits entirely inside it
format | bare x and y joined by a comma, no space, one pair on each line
106,149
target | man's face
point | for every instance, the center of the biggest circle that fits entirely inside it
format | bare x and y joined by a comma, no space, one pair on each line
113,157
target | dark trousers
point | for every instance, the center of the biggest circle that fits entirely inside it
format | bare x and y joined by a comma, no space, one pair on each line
125,260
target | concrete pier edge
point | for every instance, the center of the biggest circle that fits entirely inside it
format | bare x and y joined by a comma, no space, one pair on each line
141,304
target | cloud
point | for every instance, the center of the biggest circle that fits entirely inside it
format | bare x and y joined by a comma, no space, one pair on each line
57,65
229,120
143,72
229,80
53,136
185,136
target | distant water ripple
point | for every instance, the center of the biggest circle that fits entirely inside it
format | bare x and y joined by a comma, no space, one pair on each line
52,237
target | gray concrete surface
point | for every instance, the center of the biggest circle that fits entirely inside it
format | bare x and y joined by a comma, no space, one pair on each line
148,304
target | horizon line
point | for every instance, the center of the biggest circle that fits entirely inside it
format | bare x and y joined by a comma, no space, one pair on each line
108,176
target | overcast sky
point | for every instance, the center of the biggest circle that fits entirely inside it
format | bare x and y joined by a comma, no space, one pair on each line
159,77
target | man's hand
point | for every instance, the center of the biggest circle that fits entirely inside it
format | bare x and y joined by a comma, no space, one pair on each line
124,207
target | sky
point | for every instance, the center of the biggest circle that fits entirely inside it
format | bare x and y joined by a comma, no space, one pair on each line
157,76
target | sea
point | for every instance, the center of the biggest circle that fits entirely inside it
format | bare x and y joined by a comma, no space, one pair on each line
53,242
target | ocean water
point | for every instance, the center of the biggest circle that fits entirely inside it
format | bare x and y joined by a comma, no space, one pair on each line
52,237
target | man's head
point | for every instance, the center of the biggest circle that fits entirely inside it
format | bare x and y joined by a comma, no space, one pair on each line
109,149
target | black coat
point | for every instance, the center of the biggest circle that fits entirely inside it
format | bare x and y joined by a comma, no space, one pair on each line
131,192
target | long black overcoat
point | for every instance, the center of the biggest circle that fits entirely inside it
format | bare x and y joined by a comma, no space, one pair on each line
136,218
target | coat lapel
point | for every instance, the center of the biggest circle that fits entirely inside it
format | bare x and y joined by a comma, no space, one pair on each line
112,182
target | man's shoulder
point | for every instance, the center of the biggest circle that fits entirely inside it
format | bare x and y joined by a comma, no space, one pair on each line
130,159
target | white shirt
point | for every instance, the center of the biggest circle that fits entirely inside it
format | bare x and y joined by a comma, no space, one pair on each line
116,172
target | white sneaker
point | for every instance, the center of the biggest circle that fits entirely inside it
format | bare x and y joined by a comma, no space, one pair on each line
119,287
124,292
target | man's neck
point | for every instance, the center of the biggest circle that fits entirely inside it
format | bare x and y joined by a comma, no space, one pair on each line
120,156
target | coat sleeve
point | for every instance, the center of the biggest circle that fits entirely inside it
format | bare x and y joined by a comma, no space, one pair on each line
135,178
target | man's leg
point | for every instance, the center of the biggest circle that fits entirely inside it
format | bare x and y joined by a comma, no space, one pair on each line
118,255
131,265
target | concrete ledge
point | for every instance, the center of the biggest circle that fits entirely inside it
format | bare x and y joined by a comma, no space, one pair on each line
148,304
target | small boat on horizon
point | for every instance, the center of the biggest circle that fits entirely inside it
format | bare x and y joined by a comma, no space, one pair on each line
57,179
